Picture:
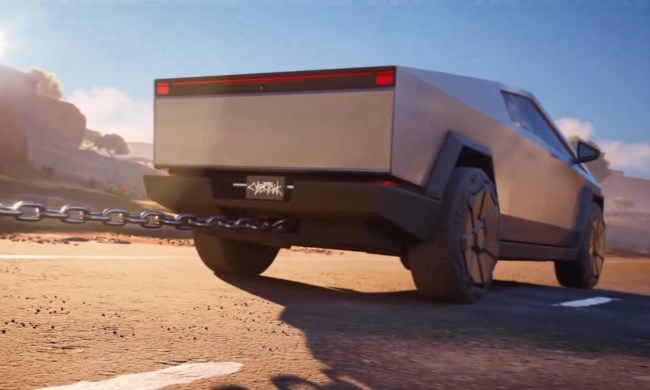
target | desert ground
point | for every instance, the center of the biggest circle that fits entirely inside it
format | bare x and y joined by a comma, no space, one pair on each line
125,312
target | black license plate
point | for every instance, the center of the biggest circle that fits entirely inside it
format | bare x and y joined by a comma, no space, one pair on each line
265,187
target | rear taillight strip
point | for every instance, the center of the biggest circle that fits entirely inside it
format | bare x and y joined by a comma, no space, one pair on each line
278,79
278,83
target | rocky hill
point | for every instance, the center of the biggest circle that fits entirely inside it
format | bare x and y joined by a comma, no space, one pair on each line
44,120
42,135
635,189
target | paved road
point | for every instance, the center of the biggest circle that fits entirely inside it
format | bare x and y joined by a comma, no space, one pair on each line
94,312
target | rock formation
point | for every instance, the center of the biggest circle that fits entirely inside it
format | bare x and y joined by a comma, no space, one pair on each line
13,148
635,189
46,121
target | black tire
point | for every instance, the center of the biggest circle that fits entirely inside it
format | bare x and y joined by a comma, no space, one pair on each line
457,264
227,257
585,271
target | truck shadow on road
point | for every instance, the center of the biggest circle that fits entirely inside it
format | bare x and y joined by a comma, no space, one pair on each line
376,340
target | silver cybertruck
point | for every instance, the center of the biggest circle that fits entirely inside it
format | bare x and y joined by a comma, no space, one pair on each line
448,173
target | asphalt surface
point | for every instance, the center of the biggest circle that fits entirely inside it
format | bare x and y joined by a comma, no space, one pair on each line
93,312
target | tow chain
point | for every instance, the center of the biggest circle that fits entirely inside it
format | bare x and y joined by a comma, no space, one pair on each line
35,212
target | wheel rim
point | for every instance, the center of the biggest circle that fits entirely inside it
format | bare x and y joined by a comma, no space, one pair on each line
480,239
597,246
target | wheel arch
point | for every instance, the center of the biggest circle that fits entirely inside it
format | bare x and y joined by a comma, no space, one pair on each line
599,200
588,196
457,151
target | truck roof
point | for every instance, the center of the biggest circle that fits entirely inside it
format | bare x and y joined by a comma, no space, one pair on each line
483,95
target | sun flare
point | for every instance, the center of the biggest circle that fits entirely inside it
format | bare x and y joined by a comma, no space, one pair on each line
4,44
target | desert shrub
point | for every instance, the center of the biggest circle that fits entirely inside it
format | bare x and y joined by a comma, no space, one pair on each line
622,204
48,171
113,144
47,84
122,190
91,182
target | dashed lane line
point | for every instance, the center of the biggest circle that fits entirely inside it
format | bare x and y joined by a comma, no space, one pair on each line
586,302
154,380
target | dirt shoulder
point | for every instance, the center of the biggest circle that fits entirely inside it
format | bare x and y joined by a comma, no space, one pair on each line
73,238
56,194
76,237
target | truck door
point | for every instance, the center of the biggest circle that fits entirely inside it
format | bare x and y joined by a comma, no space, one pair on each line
547,193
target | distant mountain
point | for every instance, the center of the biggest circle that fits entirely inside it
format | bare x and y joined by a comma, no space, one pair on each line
636,189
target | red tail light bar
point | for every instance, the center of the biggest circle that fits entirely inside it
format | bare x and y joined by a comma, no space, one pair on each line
386,78
279,82
387,183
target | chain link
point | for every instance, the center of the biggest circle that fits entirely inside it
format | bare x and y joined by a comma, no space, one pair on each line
35,212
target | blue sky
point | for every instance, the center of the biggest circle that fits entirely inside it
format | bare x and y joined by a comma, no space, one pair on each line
588,64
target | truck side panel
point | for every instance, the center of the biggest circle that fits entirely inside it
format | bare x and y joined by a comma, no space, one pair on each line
424,115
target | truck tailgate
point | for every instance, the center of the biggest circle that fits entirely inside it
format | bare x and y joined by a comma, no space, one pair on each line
223,125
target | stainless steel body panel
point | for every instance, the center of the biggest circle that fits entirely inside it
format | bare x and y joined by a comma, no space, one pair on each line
396,130
333,130
548,183
533,184
423,116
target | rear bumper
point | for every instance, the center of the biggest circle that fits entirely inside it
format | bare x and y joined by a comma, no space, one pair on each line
359,216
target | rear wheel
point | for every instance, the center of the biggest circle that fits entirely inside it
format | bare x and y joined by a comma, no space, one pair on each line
457,264
228,257
585,271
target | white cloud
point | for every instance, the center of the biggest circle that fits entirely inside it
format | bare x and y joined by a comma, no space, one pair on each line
633,157
110,110
4,44
572,126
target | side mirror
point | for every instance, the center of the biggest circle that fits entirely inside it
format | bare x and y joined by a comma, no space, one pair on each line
586,152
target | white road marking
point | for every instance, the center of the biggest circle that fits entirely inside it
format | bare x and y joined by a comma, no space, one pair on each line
587,302
91,257
176,375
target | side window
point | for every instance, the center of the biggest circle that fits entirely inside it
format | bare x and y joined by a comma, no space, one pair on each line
516,112
526,115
